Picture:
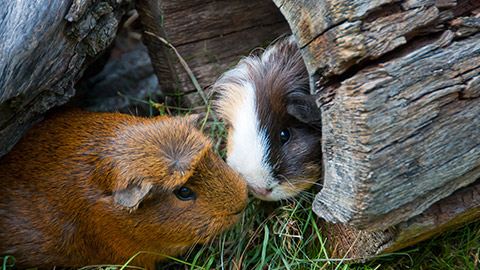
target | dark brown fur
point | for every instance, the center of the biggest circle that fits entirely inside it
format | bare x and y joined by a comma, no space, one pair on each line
283,100
85,188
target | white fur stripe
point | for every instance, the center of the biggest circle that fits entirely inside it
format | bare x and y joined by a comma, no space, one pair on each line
249,150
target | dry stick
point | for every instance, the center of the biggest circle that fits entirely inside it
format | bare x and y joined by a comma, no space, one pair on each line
189,72
184,64
131,19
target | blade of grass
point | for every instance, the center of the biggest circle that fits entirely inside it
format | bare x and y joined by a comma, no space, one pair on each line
264,246
154,253
108,266
5,264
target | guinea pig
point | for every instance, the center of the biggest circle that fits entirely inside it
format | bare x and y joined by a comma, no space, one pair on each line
84,188
274,124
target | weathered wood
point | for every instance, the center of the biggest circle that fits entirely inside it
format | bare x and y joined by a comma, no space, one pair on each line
399,104
42,55
400,136
352,30
447,214
317,21
209,35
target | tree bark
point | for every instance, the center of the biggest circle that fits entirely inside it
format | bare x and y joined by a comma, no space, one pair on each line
450,213
44,48
398,85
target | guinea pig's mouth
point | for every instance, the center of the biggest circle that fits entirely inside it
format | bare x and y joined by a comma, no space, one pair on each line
275,193
262,193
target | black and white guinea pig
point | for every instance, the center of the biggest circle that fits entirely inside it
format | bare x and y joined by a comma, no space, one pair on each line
274,124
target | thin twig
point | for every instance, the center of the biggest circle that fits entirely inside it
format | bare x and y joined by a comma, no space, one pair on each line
184,65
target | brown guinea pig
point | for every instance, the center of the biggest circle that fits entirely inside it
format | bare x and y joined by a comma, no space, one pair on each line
84,188
274,135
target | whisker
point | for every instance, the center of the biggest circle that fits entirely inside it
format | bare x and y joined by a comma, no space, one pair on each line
283,201
302,205
190,250
286,179
292,200
196,244
299,180
302,195
306,194
309,182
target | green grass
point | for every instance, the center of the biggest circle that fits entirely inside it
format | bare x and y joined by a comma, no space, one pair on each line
280,237
290,236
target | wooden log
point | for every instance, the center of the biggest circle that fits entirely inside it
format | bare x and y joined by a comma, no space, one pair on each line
399,105
352,30
44,48
398,85
209,35
450,213
411,136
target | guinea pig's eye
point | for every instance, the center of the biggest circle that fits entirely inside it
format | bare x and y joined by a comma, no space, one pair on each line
285,135
185,194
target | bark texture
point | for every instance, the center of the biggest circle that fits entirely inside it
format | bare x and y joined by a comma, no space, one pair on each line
44,48
398,85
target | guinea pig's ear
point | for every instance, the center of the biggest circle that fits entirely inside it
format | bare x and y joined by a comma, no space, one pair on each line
304,109
132,194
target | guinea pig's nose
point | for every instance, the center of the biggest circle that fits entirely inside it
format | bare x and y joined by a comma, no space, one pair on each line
260,191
